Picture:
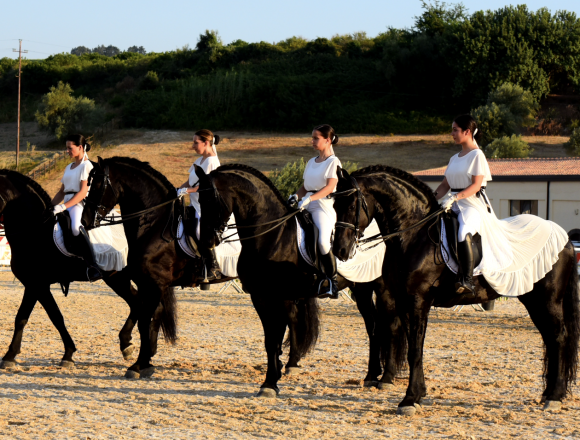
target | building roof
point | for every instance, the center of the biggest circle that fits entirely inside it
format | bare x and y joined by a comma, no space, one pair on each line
532,169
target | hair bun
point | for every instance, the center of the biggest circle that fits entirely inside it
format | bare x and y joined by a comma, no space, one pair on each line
216,139
87,147
335,140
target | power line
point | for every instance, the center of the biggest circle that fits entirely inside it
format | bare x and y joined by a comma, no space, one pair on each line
48,44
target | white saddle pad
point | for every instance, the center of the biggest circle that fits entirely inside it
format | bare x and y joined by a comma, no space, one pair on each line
450,262
227,254
365,266
109,243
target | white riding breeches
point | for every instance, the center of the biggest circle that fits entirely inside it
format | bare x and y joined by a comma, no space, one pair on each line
325,222
469,221
76,212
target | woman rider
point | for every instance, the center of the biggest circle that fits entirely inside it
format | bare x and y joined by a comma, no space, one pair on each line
204,142
73,191
320,180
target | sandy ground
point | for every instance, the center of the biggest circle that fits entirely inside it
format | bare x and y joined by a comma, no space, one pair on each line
482,370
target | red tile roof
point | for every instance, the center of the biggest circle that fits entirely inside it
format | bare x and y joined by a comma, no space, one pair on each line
553,166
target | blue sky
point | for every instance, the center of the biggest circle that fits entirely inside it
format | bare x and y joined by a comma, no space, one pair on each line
49,27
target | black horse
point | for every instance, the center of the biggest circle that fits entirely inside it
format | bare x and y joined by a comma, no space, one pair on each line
272,270
398,200
37,263
156,260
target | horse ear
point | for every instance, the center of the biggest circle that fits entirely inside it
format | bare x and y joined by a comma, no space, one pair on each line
343,174
100,160
199,172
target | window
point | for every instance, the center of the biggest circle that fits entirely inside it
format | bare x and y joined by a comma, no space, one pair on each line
523,207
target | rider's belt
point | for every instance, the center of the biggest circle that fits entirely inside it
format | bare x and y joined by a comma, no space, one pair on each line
70,192
478,194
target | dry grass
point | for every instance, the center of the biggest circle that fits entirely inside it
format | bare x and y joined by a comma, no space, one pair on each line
170,151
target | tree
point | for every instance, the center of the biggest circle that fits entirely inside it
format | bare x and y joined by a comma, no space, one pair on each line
209,41
80,50
573,145
520,103
60,113
109,51
135,49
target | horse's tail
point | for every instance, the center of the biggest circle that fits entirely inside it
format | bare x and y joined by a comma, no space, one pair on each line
307,325
391,330
572,322
169,315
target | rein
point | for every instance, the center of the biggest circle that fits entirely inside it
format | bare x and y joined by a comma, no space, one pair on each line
224,226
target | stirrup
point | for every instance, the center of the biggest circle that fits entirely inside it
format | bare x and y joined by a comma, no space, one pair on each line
464,288
94,274
330,293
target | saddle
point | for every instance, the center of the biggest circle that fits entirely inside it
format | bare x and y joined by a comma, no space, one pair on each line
311,237
451,231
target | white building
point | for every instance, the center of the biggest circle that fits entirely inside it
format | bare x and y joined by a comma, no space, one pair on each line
548,187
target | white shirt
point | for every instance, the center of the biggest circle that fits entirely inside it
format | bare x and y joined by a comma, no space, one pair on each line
316,175
208,165
461,169
74,176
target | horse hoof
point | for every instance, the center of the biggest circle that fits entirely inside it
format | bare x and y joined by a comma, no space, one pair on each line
130,374
291,371
7,364
147,372
552,405
128,352
371,383
385,386
66,364
408,411
267,393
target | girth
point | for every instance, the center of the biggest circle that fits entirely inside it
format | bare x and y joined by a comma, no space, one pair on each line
478,194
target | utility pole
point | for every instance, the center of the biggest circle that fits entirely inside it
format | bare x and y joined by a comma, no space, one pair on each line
20,52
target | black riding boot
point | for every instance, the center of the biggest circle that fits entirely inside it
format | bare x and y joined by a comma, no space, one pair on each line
465,283
212,268
87,253
328,263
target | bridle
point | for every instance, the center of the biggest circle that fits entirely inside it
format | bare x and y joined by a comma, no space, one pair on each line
98,206
360,203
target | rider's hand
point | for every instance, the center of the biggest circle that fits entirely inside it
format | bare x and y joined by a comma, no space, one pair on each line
181,192
292,200
448,202
58,209
302,204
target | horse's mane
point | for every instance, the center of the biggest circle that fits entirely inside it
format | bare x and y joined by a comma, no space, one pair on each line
254,172
15,176
403,175
144,166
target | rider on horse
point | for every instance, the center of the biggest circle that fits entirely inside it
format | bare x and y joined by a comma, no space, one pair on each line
204,143
320,180
71,197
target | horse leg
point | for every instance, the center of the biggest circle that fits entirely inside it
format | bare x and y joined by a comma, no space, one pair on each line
155,325
273,317
47,301
149,302
26,306
391,336
366,306
416,389
121,285
292,366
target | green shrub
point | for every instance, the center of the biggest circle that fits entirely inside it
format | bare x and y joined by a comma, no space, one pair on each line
290,178
573,145
150,81
508,147
61,114
494,121
520,103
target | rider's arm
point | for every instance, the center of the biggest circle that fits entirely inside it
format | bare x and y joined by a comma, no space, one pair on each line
78,197
442,189
185,185
330,186
59,197
471,189
301,192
